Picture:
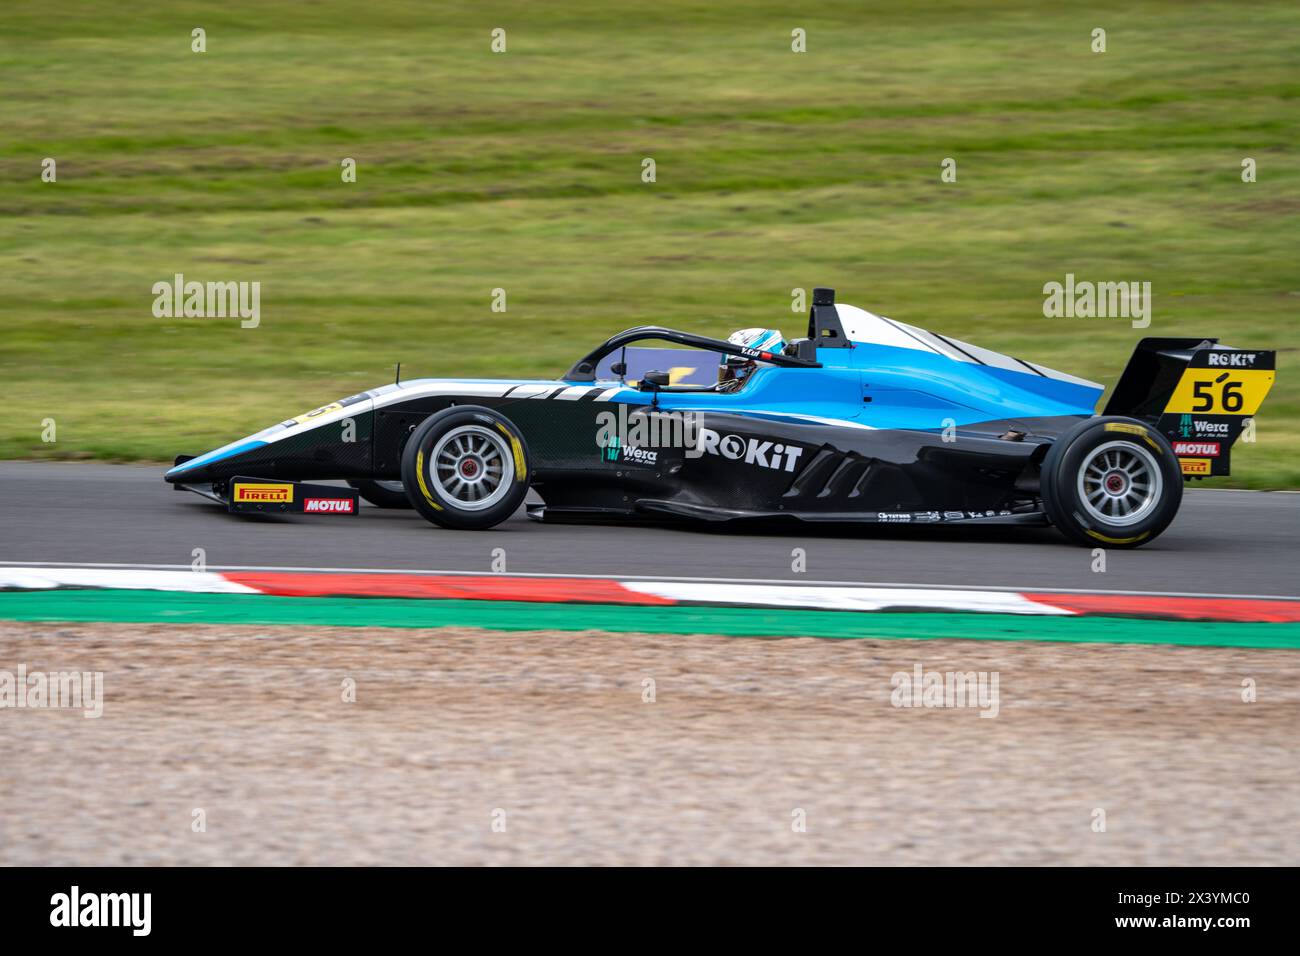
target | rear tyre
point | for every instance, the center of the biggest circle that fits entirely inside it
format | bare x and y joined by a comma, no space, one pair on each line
1111,482
382,494
466,467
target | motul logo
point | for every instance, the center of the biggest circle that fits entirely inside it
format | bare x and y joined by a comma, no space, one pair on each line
1197,449
341,506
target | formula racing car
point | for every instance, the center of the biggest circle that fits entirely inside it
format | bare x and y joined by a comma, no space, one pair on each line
864,420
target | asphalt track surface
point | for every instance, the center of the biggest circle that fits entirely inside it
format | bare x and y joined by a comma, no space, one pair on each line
1222,542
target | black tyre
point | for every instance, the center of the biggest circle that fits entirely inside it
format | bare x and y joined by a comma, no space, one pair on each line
466,467
382,494
1111,482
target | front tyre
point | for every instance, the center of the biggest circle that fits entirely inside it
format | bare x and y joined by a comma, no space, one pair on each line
466,467
1112,482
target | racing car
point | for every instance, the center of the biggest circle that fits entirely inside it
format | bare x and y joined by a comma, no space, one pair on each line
864,420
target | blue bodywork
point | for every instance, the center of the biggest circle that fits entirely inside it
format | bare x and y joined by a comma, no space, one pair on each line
883,386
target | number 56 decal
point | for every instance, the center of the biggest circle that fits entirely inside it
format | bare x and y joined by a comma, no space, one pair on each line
1212,391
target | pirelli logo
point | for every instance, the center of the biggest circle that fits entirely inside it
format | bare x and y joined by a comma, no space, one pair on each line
1132,430
1125,427
1195,466
263,493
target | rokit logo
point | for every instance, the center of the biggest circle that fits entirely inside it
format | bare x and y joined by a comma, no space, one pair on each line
1197,449
752,451
1232,359
340,506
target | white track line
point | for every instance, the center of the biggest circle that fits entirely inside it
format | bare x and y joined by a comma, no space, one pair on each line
1062,589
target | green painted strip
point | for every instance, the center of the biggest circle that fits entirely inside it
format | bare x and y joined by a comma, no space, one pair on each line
172,607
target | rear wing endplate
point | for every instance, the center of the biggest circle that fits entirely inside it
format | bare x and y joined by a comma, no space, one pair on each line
1199,394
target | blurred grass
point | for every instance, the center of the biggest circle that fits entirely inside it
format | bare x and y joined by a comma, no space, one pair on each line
522,171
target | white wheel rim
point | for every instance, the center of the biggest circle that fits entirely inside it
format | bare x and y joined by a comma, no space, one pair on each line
472,467
1119,483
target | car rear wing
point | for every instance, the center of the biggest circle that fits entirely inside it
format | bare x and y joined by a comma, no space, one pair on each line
1199,394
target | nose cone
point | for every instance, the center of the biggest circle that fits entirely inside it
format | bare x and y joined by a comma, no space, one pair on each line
219,463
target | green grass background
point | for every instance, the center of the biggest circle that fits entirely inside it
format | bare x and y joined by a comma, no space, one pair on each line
522,171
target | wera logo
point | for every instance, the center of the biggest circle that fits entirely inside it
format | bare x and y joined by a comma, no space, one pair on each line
765,454
629,454
103,909
641,456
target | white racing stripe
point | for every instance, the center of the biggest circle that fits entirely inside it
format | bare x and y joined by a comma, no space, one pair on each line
44,579
791,416
1063,377
936,343
531,390
844,599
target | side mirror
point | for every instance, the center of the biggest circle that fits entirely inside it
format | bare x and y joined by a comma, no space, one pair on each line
653,381
619,369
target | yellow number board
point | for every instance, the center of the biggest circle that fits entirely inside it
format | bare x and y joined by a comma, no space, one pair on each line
1215,391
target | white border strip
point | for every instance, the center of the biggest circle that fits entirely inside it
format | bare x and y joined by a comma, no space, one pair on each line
926,585
44,579
844,599
682,592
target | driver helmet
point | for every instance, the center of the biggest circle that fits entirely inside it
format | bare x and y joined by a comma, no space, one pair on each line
737,368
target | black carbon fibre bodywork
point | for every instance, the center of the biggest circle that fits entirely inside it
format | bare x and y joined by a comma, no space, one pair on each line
730,468
770,470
